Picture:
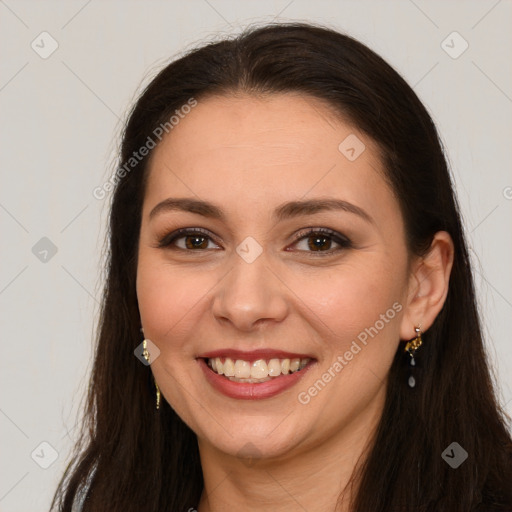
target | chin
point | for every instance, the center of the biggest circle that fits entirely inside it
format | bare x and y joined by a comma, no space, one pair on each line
260,440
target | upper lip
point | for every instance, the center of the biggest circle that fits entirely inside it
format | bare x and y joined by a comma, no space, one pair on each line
254,355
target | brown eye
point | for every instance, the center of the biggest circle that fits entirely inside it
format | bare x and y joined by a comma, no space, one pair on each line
321,240
193,240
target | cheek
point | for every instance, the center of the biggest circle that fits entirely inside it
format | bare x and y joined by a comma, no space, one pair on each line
356,310
352,297
169,298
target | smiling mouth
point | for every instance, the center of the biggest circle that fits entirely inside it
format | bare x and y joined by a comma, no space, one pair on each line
260,370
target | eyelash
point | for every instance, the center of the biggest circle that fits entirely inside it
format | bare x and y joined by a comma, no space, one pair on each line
341,240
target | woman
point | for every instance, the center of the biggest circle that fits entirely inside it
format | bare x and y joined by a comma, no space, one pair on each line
289,319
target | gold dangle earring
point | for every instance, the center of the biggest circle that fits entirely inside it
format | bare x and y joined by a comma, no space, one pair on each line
411,347
147,357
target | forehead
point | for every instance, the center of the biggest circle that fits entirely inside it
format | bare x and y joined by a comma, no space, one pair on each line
292,125
248,151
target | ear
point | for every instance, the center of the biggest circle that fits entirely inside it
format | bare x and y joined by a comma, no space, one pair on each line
428,286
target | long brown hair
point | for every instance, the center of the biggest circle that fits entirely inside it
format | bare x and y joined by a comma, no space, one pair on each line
134,458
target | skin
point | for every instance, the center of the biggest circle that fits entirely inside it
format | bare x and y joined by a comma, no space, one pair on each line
249,155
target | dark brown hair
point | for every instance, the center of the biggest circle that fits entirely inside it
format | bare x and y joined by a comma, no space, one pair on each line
134,458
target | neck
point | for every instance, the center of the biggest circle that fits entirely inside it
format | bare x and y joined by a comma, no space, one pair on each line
314,478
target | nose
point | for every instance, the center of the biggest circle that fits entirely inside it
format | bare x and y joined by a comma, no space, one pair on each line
251,294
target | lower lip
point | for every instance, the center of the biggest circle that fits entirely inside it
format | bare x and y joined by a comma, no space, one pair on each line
254,390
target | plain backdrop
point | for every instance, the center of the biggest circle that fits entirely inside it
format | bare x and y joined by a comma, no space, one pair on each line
61,118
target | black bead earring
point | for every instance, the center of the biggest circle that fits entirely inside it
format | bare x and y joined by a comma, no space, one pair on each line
411,347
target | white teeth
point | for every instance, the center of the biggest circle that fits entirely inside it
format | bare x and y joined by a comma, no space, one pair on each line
219,366
250,381
257,371
274,368
229,367
242,369
294,365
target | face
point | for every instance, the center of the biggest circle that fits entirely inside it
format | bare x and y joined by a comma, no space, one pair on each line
300,254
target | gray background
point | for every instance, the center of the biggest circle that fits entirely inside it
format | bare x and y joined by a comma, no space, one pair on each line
61,118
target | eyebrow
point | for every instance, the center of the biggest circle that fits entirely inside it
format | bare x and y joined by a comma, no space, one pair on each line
282,212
